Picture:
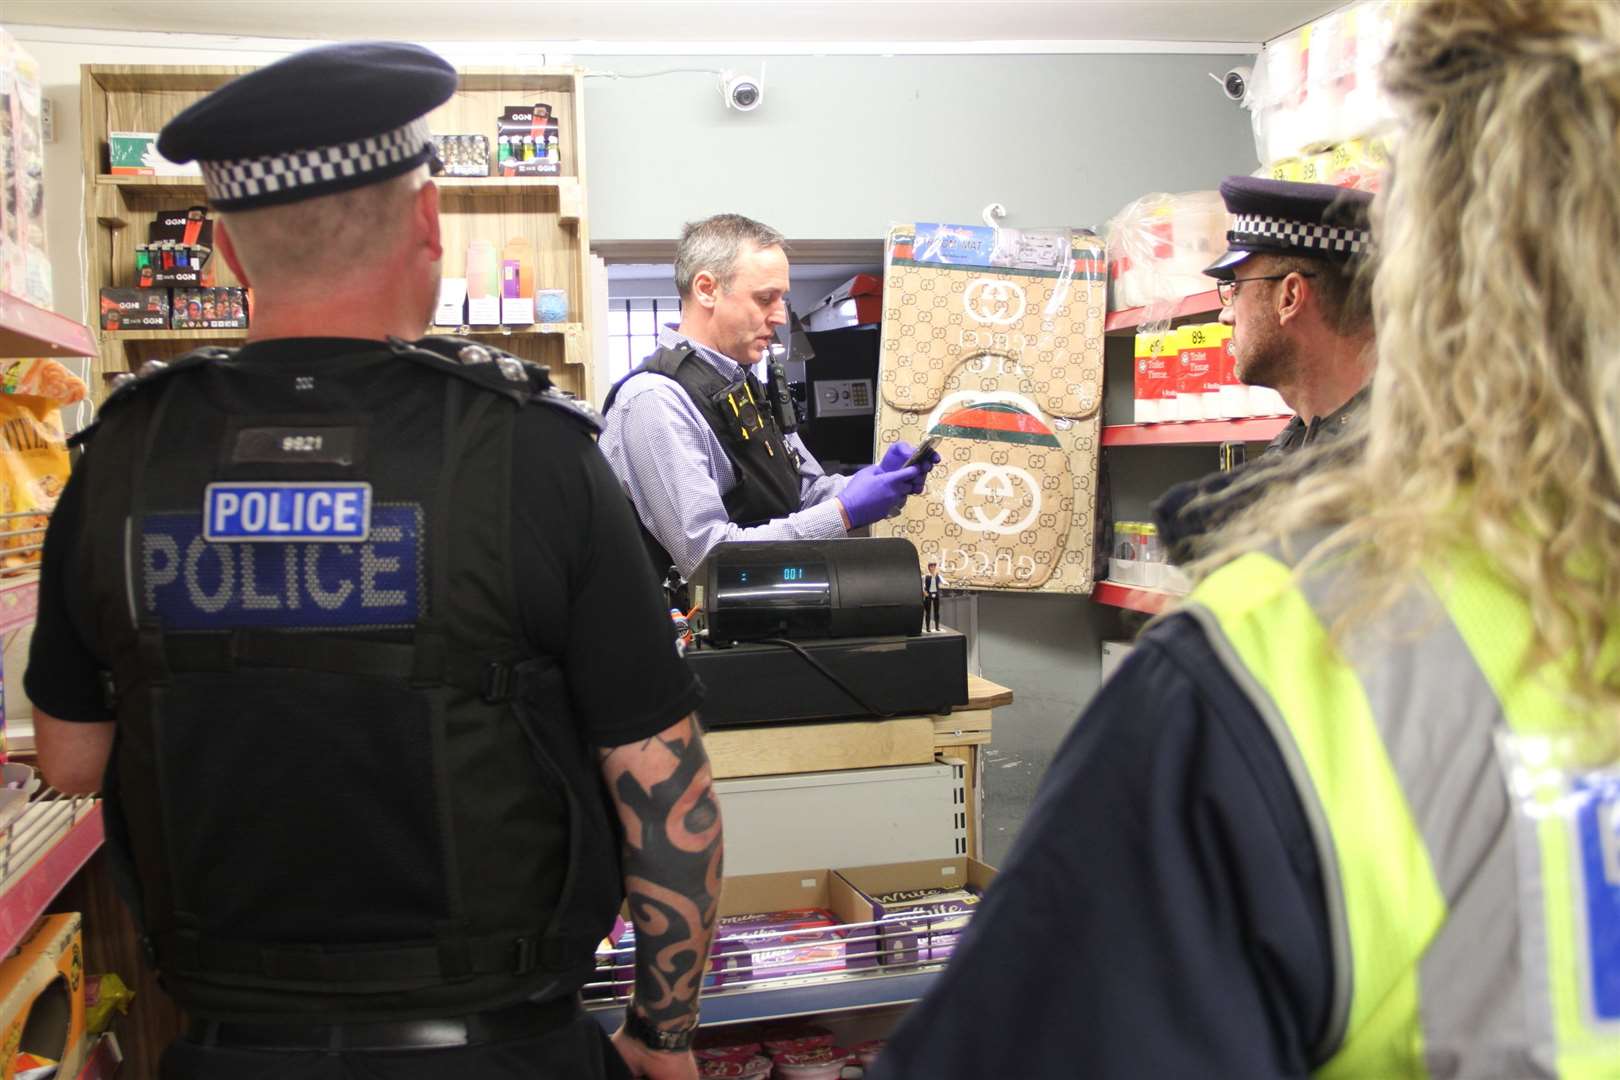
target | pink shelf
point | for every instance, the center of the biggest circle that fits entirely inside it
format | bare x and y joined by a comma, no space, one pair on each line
103,1061
1204,303
25,900
1133,597
1194,432
26,330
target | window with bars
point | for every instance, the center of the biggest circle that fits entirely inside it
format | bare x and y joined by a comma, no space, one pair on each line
633,326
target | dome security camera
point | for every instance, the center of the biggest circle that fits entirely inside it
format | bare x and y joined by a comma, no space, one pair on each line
1235,83
742,92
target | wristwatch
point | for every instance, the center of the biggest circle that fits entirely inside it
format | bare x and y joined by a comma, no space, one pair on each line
637,1027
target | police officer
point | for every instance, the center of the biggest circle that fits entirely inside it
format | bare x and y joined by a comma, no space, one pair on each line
1352,811
1292,291
705,450
361,602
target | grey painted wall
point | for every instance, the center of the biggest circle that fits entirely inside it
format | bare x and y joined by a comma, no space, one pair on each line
842,146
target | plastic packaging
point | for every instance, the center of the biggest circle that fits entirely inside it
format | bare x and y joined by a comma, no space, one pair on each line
1318,86
1158,247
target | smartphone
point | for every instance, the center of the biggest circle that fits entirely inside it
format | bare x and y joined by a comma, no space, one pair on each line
920,455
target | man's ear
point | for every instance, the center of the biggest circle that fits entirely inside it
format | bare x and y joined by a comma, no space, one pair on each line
1293,295
706,289
427,219
227,251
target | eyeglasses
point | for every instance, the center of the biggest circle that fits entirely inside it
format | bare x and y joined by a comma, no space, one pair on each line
1227,290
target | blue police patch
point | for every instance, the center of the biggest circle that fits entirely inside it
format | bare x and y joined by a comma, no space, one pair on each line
276,511
194,584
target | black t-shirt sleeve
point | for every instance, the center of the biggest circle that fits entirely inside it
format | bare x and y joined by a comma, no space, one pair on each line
64,674
1161,913
586,590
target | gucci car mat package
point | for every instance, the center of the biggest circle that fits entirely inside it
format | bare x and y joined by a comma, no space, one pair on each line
992,343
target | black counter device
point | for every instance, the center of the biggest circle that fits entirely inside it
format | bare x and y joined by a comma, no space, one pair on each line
822,630
805,589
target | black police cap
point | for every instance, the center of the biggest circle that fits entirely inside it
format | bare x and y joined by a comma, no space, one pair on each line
321,121
1280,217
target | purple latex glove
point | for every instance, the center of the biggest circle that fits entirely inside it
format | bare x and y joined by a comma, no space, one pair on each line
898,453
872,493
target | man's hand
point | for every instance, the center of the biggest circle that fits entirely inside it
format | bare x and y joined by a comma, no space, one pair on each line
659,1065
672,859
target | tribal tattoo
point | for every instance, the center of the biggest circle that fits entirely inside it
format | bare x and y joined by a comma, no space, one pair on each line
672,865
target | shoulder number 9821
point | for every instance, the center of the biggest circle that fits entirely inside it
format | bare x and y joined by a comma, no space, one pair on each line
301,444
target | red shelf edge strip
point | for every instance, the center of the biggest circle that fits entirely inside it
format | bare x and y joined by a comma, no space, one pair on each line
1129,596
26,900
1204,303
1257,429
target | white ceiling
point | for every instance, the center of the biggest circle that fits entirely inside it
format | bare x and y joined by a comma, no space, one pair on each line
598,24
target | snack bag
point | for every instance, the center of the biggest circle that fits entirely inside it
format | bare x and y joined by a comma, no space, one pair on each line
33,453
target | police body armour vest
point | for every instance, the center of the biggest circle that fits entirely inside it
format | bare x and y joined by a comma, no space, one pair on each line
738,413
343,782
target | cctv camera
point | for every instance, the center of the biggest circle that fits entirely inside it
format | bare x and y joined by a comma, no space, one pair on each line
742,92
1235,83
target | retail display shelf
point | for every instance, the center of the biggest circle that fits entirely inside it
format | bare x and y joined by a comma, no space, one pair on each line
471,186
41,850
173,335
1134,597
27,330
1127,319
103,1060
510,331
1194,432
798,997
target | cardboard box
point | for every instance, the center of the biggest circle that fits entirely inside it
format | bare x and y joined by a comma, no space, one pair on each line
743,958
42,997
135,153
134,309
913,939
857,302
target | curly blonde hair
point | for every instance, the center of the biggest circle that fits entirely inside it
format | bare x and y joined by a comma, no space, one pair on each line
1496,399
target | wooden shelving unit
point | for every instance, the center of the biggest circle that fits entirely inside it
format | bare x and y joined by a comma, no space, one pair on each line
549,211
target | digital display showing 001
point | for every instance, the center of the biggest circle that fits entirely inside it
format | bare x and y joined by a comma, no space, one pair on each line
792,573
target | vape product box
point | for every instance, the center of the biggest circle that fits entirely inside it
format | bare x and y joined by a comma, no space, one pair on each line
135,153
526,141
209,309
462,155
134,309
452,309
179,249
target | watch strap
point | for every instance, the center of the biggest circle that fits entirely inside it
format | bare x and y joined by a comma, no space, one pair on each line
640,1029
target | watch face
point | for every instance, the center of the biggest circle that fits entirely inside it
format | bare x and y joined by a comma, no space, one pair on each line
643,1032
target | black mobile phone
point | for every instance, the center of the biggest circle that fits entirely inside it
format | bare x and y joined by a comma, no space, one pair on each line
920,455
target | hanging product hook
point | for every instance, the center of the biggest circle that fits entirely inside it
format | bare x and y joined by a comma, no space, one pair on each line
992,214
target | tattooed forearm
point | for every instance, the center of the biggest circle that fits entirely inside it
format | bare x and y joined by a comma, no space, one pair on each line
672,865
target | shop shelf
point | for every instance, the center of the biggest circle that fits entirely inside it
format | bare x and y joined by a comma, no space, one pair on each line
793,992
1128,319
1134,597
174,335
42,849
103,1060
1194,432
27,330
470,187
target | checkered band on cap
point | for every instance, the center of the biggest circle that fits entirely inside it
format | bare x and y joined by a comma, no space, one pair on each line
1286,233
248,180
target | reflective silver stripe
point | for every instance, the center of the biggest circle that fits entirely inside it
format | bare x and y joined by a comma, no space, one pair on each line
1327,856
1437,713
